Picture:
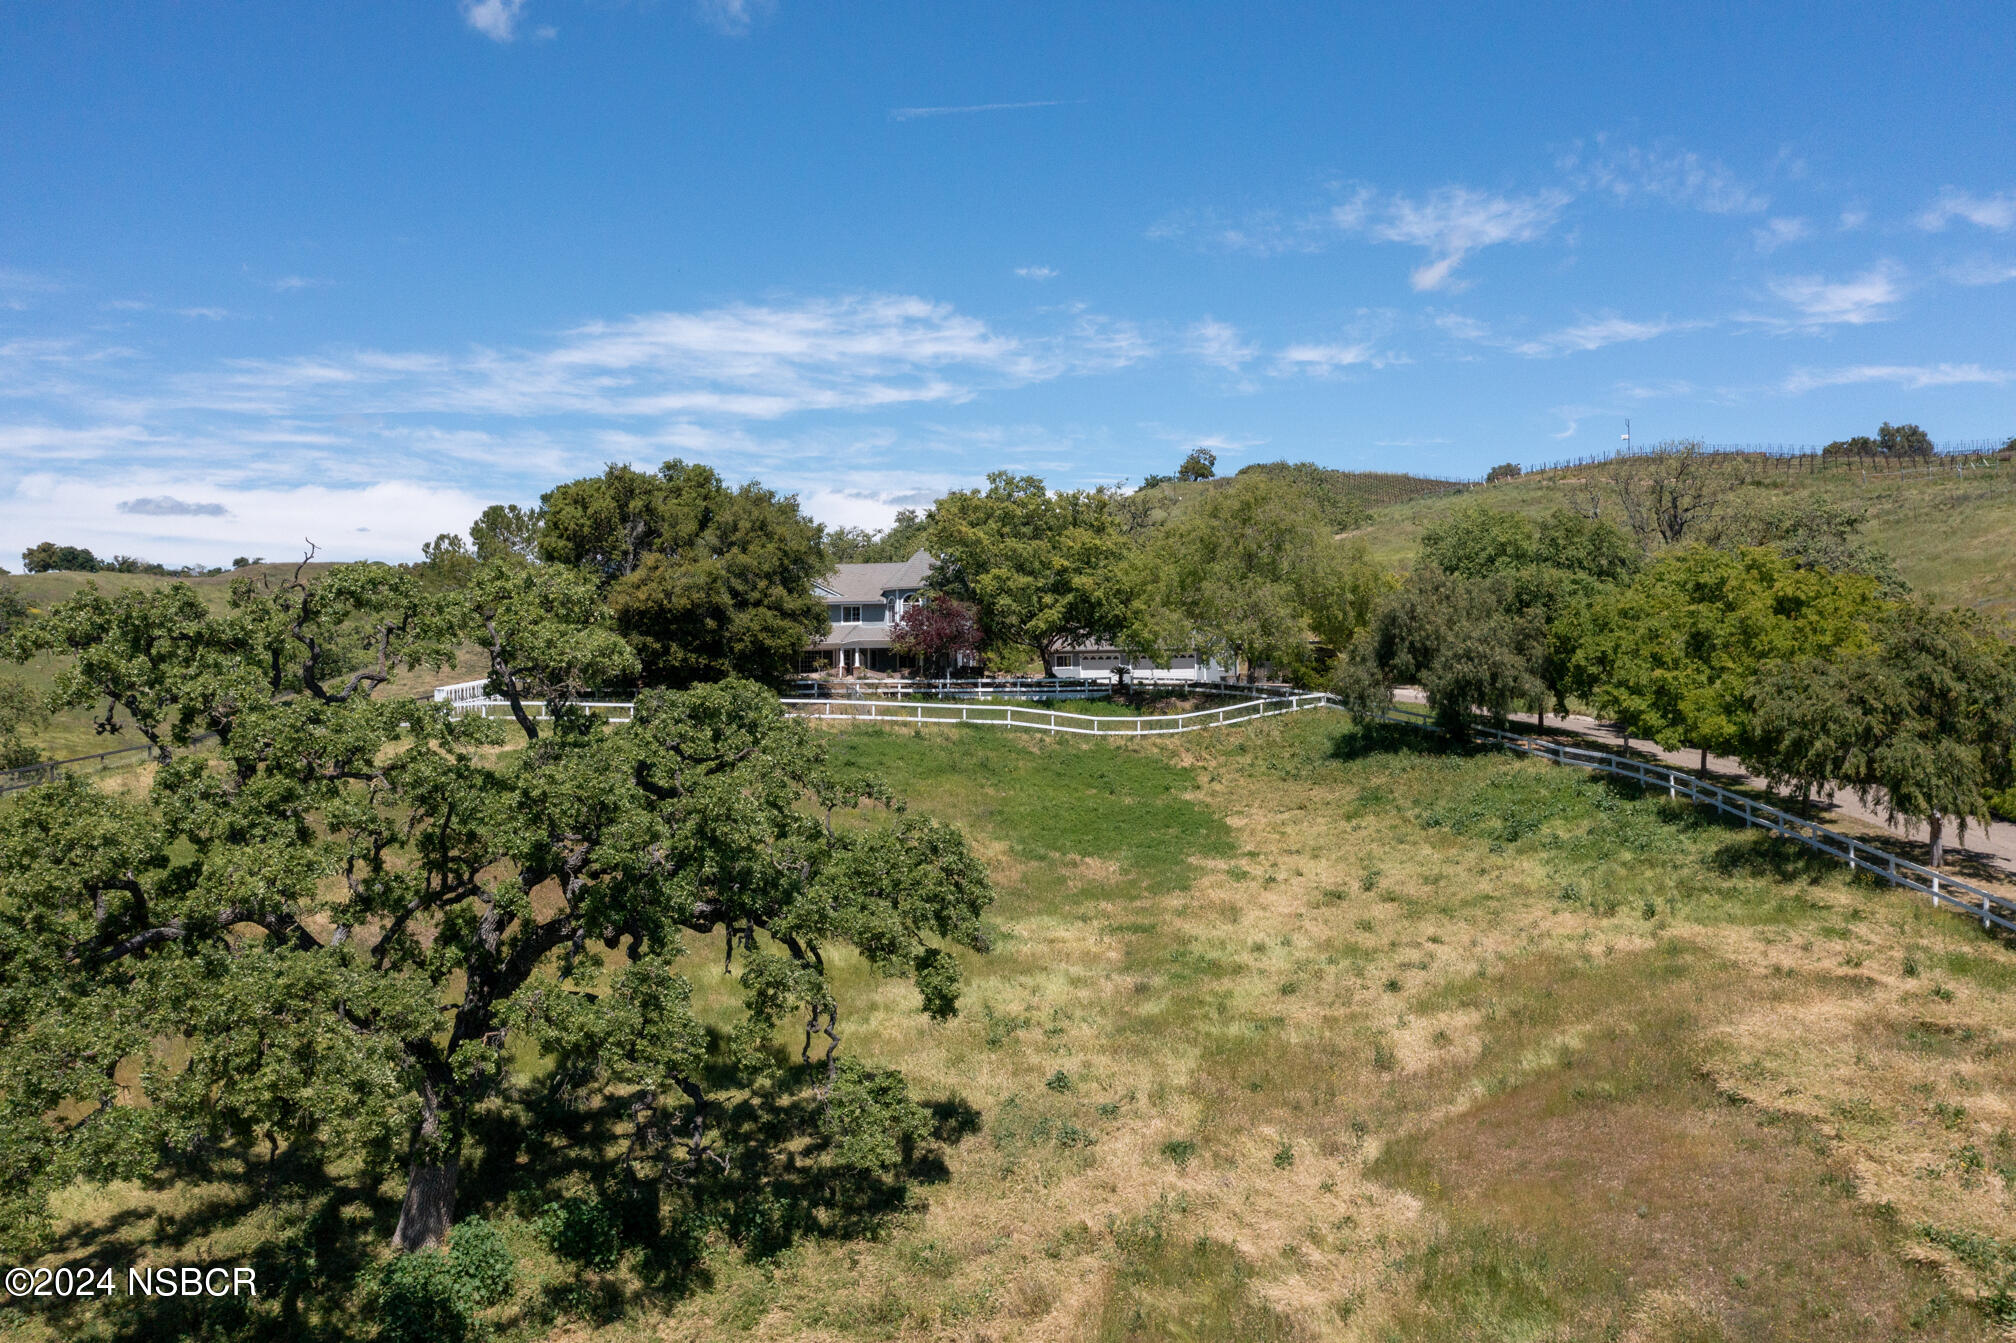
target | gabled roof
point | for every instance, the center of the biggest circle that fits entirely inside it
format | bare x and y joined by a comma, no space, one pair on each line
867,582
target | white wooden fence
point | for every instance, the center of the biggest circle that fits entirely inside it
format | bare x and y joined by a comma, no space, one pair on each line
1053,720
889,706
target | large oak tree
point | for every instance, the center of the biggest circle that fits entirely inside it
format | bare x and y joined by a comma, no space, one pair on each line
346,912
705,581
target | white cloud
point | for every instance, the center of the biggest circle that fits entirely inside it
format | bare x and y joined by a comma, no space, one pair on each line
495,19
1978,271
1679,177
1596,333
1036,272
1322,360
1463,328
395,515
915,113
288,284
1219,344
1776,233
1852,219
1656,391
1451,223
733,18
1909,376
28,280
744,361
1997,212
1820,302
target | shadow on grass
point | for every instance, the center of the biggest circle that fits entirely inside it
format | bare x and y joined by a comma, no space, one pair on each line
318,1238
1363,739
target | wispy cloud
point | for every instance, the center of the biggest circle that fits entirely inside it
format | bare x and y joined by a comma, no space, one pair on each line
1776,233
1219,344
1323,360
1819,302
1978,271
914,113
1036,272
744,361
1451,223
1656,391
733,18
1677,176
495,19
290,284
1909,376
1598,332
1997,212
1591,333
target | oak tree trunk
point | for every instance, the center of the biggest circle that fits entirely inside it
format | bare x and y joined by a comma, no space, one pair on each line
429,1209
432,1169
1938,840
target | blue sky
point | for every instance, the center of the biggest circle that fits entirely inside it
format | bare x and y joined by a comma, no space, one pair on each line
352,271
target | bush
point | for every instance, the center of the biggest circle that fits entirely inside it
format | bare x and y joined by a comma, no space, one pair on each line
1503,471
431,1297
2003,805
479,1257
583,1232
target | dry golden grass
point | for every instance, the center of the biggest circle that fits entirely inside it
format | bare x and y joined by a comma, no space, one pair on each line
1292,1035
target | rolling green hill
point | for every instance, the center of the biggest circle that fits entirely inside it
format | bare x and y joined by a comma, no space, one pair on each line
1347,495
1952,536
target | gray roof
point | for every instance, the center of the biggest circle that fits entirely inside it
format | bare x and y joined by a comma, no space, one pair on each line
867,582
857,636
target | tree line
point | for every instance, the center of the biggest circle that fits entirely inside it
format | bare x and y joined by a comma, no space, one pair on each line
1775,636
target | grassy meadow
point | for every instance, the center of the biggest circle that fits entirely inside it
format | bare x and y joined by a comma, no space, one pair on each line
1296,1031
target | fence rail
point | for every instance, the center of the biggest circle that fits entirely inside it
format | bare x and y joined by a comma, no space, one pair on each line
1945,891
48,771
1268,702
1950,455
1950,892
1051,720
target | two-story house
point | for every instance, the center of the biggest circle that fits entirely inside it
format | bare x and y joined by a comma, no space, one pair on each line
863,603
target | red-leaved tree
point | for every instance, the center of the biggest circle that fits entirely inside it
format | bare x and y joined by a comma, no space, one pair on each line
936,633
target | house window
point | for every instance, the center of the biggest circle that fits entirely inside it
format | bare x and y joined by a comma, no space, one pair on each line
850,615
1067,659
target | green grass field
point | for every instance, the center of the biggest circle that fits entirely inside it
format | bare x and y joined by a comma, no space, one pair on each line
1295,1032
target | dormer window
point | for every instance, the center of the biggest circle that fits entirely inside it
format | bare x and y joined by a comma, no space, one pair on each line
850,615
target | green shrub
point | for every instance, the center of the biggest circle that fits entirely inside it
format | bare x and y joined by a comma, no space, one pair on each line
583,1232
431,1297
